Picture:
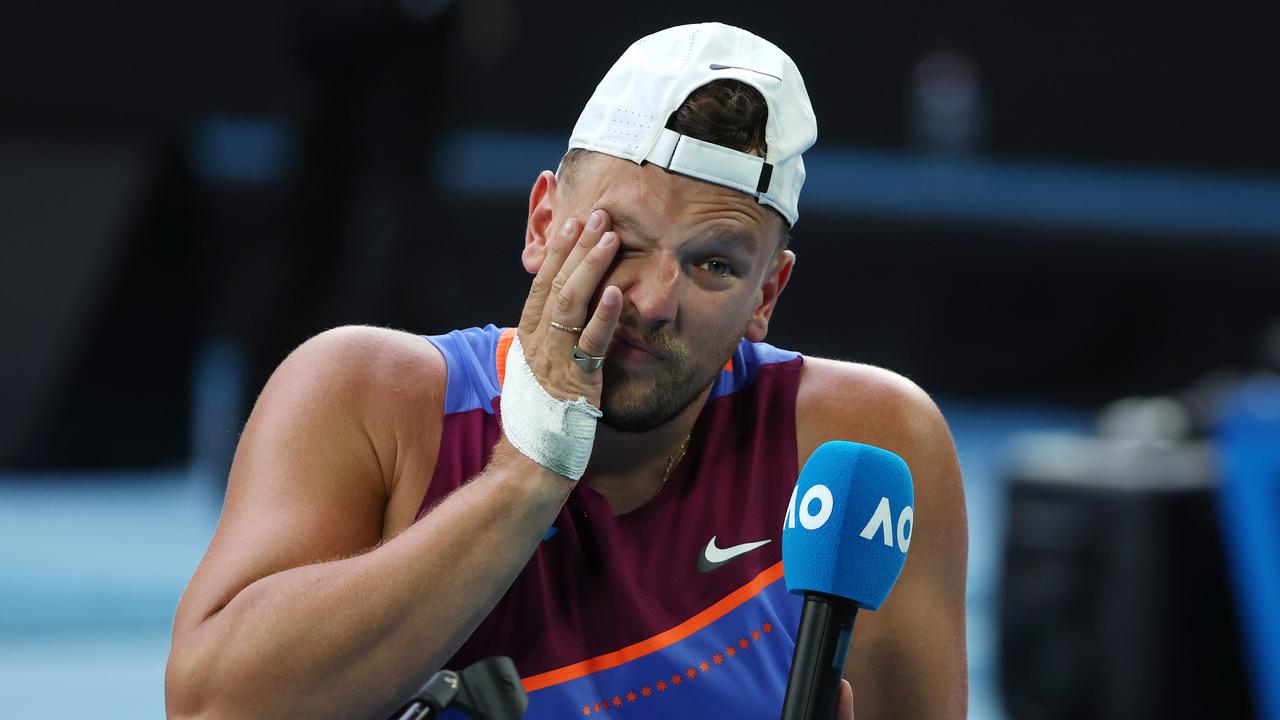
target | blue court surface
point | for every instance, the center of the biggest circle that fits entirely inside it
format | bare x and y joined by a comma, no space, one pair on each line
92,566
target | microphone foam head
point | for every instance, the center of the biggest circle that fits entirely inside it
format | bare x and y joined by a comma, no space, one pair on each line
849,523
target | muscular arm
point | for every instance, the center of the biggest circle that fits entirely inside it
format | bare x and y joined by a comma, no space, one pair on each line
299,608
305,605
908,659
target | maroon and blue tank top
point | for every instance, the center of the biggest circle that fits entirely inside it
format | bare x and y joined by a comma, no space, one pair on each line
676,609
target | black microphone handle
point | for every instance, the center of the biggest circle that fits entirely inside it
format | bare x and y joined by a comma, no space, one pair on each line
417,710
822,646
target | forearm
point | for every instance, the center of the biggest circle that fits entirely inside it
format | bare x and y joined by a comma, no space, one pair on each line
353,637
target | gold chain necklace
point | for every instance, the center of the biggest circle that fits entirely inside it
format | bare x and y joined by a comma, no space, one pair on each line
673,461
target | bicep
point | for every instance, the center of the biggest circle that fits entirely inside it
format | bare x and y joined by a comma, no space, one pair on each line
909,666
909,659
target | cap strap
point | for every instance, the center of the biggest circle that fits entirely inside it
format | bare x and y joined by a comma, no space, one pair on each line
710,162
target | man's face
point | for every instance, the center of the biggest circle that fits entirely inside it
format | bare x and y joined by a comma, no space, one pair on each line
698,267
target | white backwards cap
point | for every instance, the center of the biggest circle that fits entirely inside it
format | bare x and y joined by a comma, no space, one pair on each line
627,115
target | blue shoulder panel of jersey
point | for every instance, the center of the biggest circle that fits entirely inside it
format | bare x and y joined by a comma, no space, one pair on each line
473,373
748,358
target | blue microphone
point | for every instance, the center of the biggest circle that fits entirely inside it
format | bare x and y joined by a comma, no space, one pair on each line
844,541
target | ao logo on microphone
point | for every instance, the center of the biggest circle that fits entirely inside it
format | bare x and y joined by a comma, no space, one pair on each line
880,520
820,494
817,504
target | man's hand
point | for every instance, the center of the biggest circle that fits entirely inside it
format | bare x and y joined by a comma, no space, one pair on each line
577,259
844,704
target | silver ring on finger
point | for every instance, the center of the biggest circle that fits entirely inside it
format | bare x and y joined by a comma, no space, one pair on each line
585,361
566,328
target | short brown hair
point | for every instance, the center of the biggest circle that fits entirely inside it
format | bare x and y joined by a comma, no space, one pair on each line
729,113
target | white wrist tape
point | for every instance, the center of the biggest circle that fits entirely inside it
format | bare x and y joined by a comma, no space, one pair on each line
557,434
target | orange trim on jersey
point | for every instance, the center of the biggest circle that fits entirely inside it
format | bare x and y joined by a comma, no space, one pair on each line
659,641
728,366
504,344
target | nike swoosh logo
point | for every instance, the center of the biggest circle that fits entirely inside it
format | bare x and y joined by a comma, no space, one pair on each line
713,557
718,66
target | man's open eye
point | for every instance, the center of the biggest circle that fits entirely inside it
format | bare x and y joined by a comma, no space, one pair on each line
716,267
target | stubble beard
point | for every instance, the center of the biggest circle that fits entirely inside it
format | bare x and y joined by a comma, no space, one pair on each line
634,402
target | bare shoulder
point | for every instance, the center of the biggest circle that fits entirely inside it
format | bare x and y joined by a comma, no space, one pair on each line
389,383
862,403
370,364
841,400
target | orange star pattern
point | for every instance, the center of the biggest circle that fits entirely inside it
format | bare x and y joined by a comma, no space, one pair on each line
677,678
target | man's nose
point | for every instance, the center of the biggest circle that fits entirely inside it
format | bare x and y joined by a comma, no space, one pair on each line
654,292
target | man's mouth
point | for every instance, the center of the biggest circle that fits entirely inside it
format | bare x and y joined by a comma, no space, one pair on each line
629,346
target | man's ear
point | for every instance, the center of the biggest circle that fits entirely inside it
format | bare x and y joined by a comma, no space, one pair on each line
541,214
774,283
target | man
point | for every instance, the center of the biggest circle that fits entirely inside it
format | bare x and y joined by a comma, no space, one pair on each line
597,493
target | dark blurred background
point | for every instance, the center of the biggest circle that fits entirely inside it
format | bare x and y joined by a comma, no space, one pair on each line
263,171
1018,205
